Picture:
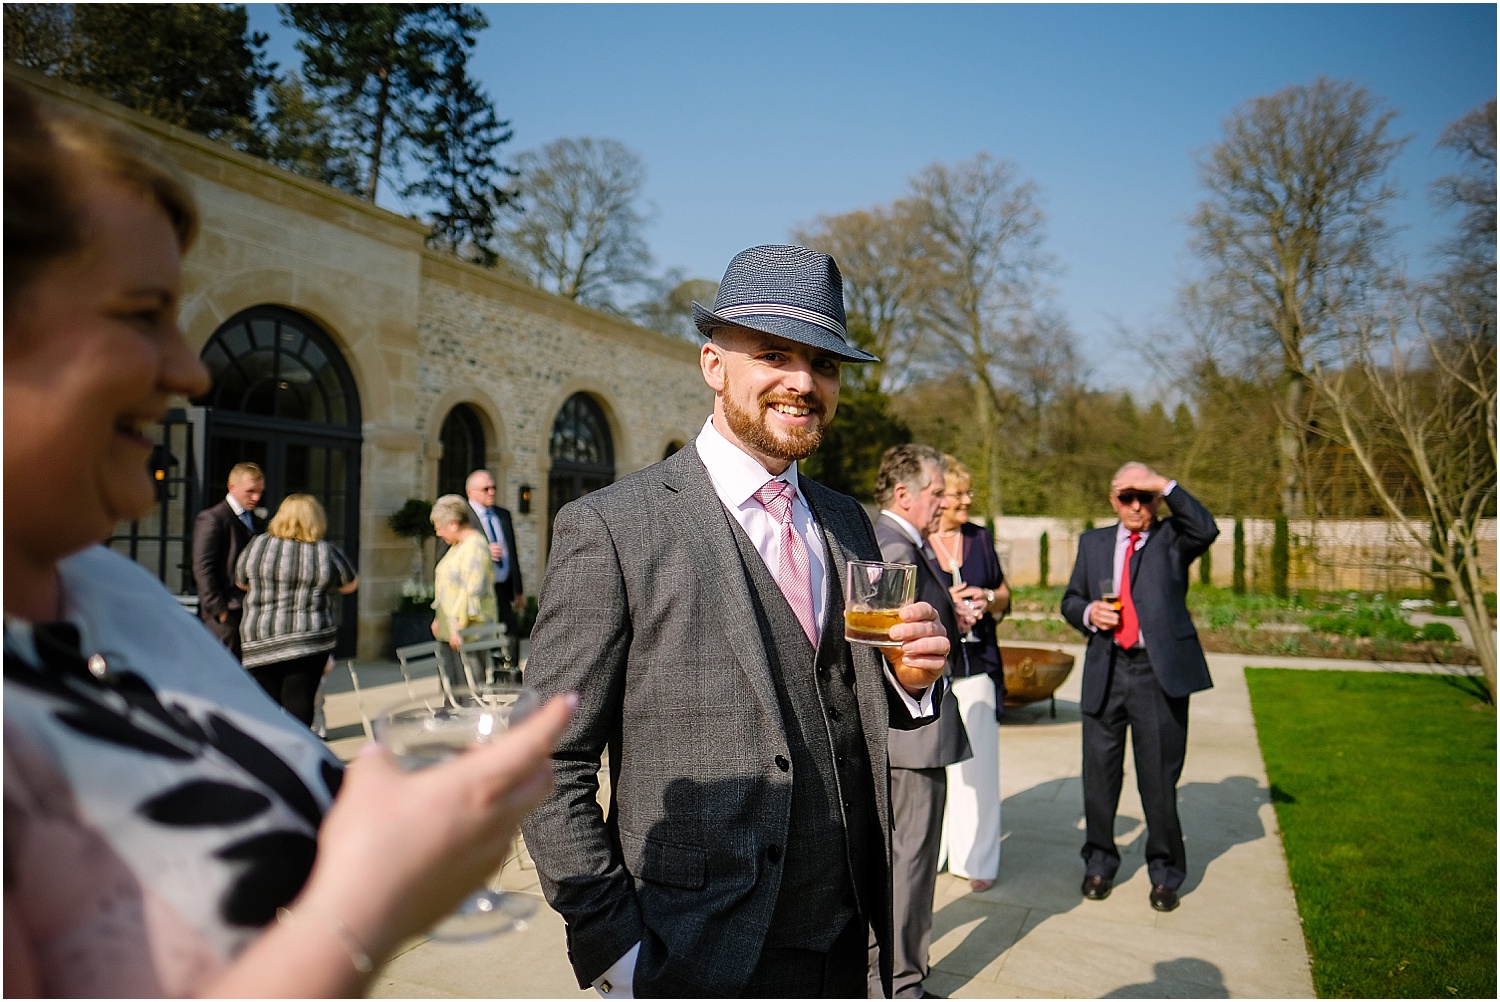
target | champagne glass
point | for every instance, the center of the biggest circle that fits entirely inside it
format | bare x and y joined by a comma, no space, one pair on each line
873,596
425,732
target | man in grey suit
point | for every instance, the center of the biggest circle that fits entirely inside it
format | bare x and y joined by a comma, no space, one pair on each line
1142,663
696,606
910,491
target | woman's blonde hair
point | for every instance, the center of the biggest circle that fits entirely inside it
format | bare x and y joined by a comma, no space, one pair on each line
52,157
300,517
451,508
954,471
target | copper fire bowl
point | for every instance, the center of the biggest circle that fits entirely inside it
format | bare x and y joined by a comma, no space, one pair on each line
1033,674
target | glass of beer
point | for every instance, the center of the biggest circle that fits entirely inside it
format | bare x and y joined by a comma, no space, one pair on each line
1109,593
873,596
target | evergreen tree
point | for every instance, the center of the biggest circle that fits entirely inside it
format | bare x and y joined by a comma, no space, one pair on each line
457,147
1237,584
300,137
191,64
379,68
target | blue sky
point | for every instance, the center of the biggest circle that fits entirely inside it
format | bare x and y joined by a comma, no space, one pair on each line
752,119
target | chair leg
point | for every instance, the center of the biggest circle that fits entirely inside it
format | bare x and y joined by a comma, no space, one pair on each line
359,701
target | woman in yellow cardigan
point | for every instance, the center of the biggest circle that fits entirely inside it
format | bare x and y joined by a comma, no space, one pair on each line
464,584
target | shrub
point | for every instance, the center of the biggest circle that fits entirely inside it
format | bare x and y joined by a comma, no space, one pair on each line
1238,585
1044,558
1206,568
1281,558
1437,631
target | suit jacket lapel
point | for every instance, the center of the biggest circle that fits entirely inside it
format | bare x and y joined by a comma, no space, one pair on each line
693,506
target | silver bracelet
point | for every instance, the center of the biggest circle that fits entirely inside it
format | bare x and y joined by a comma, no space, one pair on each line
352,946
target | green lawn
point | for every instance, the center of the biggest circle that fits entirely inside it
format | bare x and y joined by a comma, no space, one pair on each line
1384,787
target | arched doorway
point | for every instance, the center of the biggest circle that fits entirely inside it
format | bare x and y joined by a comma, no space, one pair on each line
283,397
462,436
583,454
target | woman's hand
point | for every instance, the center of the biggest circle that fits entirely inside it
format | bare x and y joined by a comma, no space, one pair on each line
399,850
454,640
435,633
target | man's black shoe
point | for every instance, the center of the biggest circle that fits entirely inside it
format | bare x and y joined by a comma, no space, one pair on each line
1164,898
1097,888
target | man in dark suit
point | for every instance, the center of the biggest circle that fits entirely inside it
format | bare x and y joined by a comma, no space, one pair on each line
1142,663
696,606
220,532
495,523
910,491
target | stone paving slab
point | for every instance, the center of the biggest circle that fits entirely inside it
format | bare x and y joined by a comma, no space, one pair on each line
1236,935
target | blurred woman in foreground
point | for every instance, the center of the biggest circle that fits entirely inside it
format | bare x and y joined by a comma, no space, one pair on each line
971,822
291,574
161,813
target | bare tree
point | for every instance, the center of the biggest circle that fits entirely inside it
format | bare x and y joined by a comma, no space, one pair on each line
878,251
980,274
578,233
1293,229
1414,401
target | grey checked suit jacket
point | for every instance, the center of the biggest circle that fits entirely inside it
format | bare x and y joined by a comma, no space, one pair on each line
646,613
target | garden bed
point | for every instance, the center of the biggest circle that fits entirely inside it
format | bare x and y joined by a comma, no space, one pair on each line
1362,628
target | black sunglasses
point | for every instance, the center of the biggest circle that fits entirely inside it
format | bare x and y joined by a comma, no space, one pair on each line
1128,498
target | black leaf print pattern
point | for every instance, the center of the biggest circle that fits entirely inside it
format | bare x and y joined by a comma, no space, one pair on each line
203,803
279,864
260,762
139,694
98,723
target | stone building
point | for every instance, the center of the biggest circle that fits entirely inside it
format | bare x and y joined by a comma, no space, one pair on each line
355,364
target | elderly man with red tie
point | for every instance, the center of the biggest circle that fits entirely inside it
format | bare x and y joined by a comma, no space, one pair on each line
495,523
1143,662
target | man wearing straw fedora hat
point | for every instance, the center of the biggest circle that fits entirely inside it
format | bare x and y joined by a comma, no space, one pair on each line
696,606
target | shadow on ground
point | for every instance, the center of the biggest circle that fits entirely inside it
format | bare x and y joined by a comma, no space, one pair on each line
1040,871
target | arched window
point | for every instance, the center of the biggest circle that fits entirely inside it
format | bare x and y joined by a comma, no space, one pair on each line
462,436
283,397
583,454
271,362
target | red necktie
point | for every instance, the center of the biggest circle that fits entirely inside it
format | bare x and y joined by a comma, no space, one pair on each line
792,569
1130,627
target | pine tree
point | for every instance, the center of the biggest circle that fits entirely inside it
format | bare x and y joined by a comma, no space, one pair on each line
378,68
457,147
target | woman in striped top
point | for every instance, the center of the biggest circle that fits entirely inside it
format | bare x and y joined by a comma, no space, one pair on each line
290,622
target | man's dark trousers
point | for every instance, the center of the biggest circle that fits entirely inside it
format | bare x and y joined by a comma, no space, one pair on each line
1158,732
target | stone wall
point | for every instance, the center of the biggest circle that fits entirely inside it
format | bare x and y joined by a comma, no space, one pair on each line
420,332
1331,555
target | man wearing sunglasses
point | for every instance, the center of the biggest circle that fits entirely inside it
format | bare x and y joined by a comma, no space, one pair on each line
1143,662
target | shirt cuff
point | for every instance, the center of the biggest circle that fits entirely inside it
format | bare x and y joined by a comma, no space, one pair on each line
619,981
1171,485
1088,622
917,707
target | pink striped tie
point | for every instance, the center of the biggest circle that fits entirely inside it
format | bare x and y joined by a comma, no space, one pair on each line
792,574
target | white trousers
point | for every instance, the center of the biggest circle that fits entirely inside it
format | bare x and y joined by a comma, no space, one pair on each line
971,823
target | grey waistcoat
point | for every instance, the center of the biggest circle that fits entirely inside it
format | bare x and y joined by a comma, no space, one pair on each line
833,802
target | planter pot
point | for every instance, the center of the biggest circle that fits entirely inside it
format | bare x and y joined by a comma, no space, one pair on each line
410,628
1033,674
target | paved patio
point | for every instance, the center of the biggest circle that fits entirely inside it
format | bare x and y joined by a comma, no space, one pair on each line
1236,935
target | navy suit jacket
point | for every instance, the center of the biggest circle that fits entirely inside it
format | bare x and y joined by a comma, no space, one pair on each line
218,538
1158,586
508,530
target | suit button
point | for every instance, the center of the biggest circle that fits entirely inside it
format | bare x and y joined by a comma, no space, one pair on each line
773,853
822,671
833,713
782,763
839,758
